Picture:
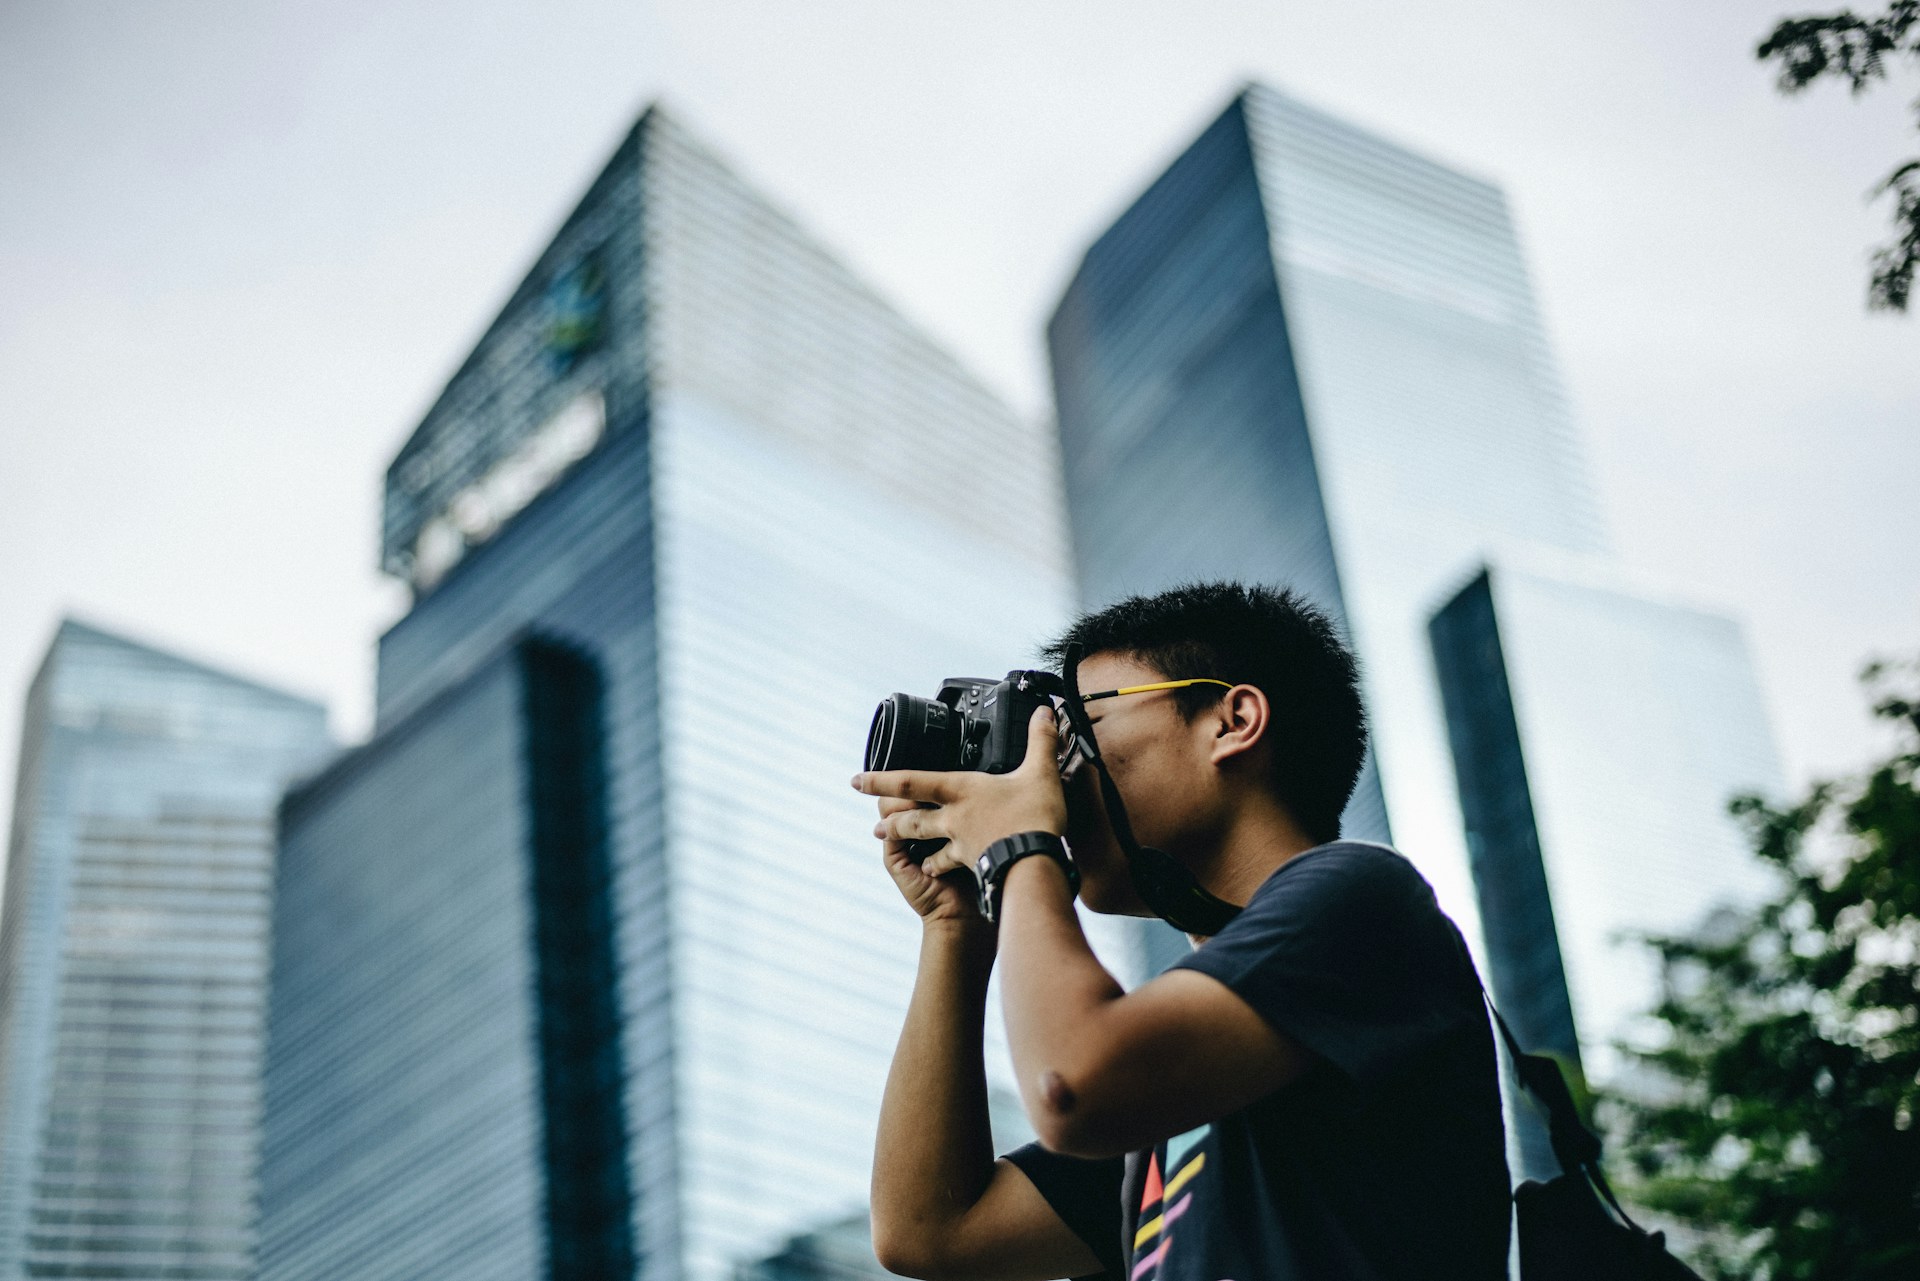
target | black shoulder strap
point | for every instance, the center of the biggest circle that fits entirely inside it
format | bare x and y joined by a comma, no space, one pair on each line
1575,1146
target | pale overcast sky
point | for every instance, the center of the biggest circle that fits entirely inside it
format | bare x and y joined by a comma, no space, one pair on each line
243,245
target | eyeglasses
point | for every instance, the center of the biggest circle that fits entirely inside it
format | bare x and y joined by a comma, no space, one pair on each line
1165,885
1075,749
1142,689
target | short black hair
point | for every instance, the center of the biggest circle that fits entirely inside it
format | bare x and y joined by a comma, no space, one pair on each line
1267,637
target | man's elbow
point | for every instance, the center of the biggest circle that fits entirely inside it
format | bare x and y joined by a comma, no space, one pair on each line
908,1252
899,1258
1067,1121
1082,1137
899,1254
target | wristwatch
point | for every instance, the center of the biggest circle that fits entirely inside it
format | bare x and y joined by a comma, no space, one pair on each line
997,858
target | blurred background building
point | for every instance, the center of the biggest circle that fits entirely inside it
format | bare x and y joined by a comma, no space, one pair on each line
582,966
133,960
841,1251
1597,736
1307,356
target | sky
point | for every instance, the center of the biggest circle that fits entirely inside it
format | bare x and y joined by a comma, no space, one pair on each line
244,245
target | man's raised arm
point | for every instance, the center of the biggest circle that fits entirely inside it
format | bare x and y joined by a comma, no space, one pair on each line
942,1206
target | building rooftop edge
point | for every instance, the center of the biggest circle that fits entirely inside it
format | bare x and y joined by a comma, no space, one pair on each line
1246,90
70,625
525,283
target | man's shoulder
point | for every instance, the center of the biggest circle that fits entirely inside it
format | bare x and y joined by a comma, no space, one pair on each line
1345,950
1350,902
1332,895
1341,868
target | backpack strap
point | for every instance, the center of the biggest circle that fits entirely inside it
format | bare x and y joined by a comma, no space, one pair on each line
1575,1146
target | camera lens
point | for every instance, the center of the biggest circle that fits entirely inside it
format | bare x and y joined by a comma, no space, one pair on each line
914,733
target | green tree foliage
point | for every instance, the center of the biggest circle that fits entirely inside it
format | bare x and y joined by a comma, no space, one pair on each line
1857,50
1779,1117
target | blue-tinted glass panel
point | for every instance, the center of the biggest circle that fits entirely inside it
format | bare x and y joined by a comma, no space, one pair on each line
403,1130
133,961
1524,973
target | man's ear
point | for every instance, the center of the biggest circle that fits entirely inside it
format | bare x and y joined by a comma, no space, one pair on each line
1240,720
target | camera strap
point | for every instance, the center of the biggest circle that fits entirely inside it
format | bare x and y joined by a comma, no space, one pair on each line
1162,881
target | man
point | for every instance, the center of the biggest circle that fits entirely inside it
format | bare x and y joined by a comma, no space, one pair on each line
1310,1094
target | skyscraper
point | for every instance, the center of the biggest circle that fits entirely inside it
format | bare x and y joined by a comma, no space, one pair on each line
133,959
1308,356
586,964
1598,734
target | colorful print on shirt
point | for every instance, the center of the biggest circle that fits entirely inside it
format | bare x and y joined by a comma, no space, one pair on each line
1164,1200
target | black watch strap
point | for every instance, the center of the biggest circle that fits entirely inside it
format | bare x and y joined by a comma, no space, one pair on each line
994,862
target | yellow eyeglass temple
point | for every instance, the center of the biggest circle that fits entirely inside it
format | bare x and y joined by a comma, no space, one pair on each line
1141,689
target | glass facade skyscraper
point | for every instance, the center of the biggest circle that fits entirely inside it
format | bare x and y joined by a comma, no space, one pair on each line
595,913
1598,734
133,960
1307,356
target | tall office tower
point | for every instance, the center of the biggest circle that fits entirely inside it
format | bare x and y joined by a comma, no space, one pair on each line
1598,735
1309,357
133,961
586,964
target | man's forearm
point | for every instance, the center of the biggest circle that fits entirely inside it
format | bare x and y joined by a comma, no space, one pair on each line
934,1154
1053,988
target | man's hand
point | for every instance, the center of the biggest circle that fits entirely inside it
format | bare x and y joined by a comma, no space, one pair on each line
971,811
952,897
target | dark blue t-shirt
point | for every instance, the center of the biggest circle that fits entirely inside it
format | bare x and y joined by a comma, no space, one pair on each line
1385,1162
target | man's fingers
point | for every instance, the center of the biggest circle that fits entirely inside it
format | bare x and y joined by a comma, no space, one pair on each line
942,861
912,824
907,785
893,805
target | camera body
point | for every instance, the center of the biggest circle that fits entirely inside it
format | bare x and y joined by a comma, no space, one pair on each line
972,724
978,724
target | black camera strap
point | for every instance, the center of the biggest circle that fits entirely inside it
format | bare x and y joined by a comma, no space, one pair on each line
1162,881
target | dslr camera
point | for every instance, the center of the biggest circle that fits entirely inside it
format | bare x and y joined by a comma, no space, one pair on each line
971,724
978,724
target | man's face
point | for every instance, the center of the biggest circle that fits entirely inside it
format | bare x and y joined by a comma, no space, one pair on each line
1161,763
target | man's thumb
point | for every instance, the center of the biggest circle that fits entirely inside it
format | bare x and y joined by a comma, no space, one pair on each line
1042,735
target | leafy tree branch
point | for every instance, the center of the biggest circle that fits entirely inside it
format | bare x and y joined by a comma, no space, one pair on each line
1780,1118
1856,49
